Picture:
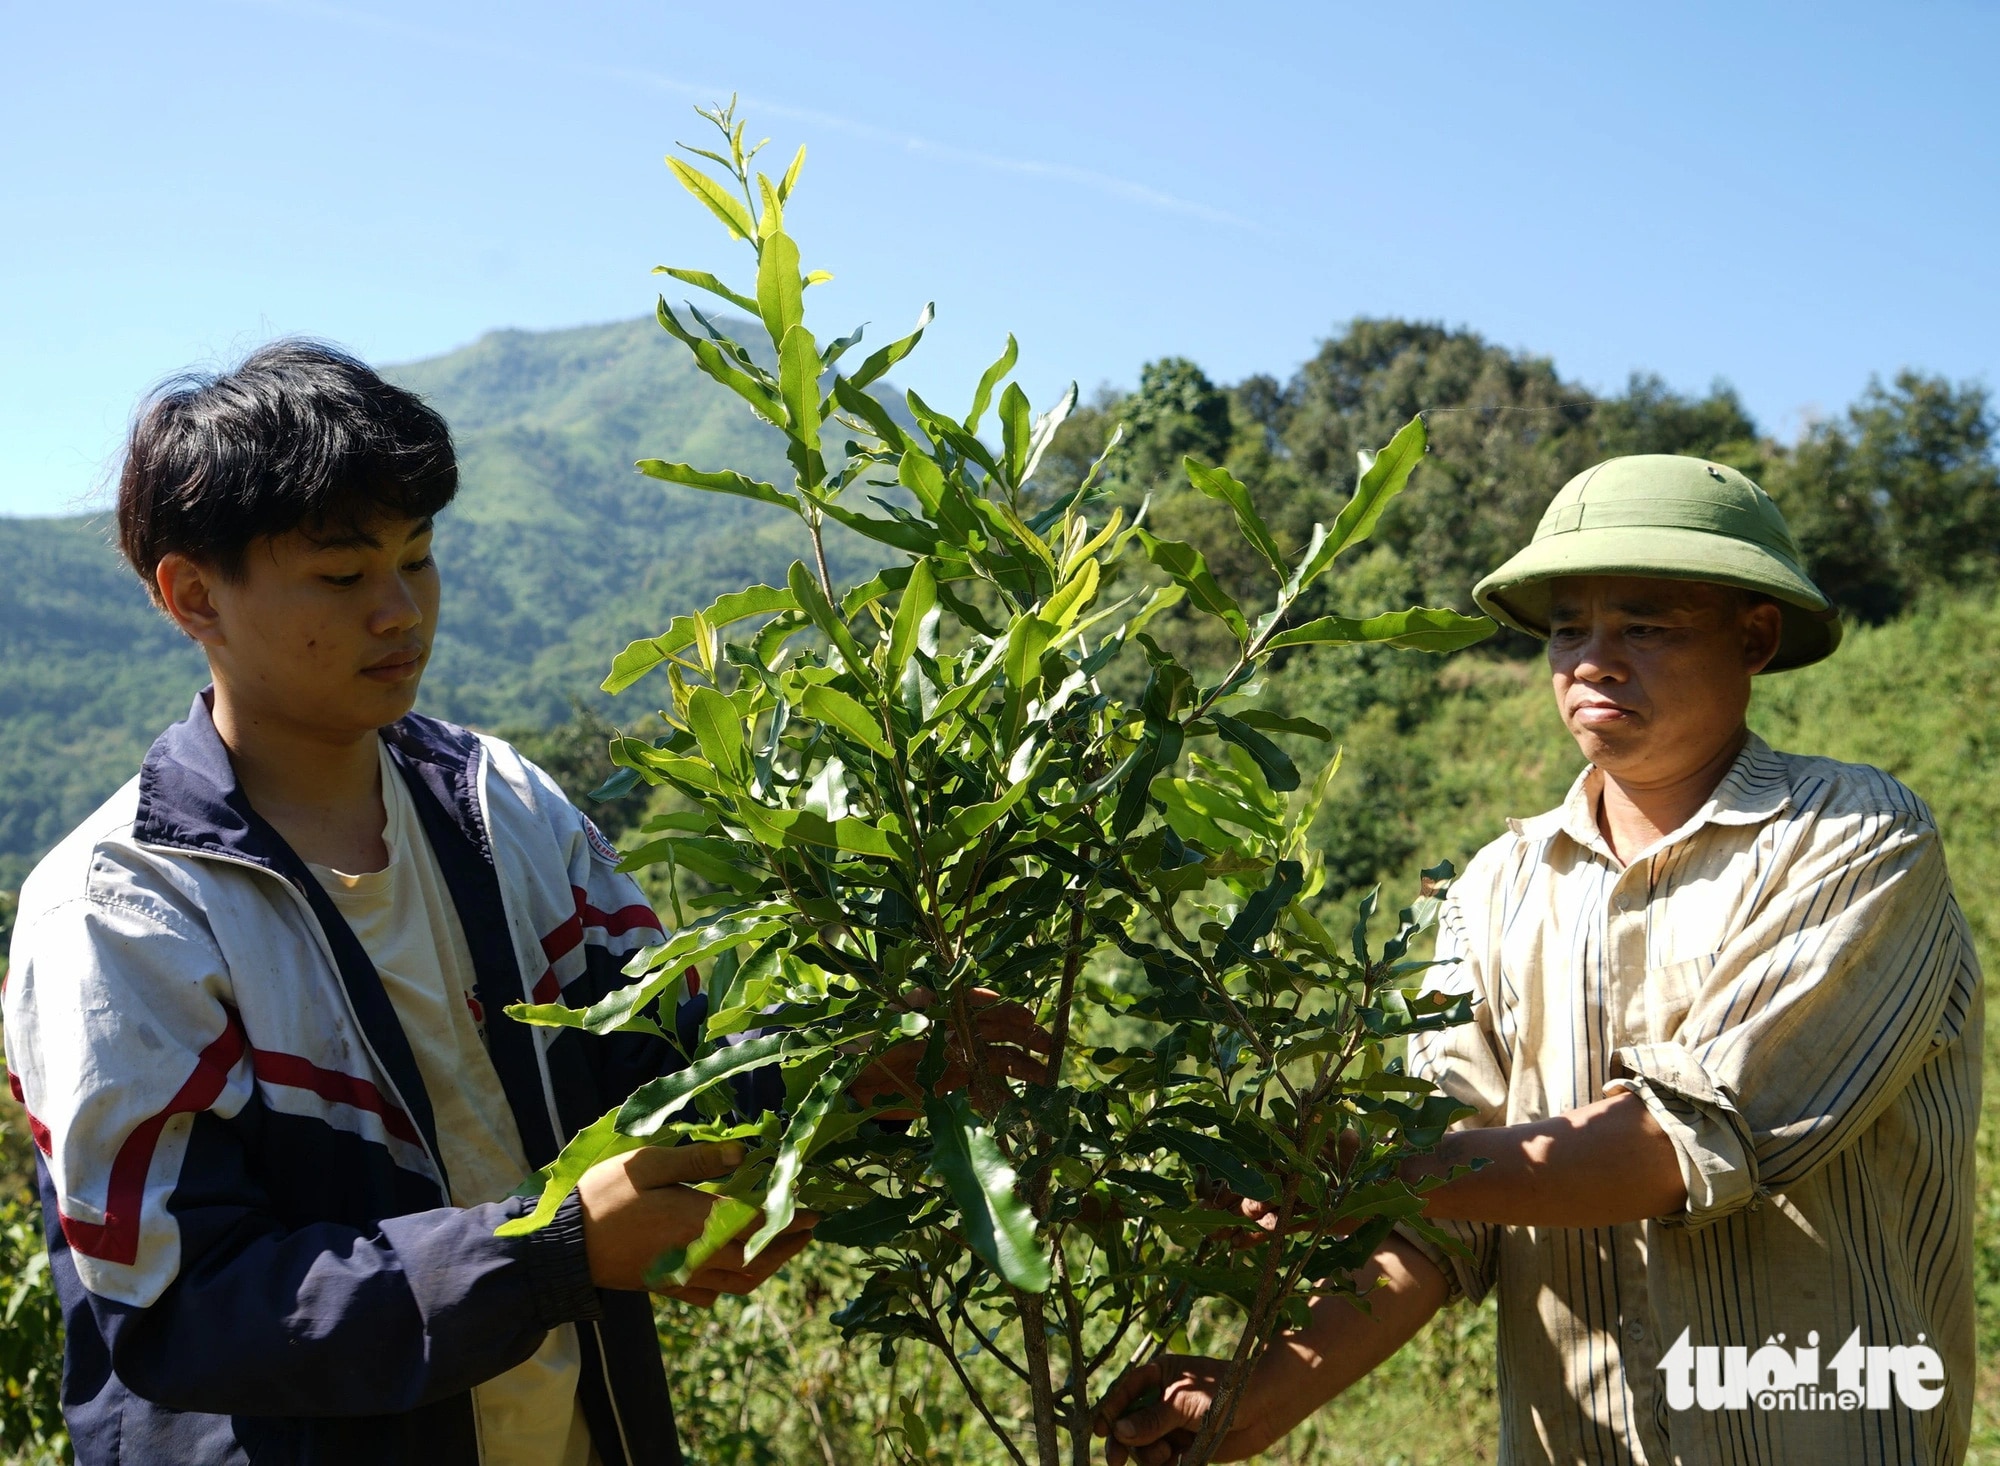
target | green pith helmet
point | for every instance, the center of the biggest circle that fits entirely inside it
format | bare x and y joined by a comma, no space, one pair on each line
1661,515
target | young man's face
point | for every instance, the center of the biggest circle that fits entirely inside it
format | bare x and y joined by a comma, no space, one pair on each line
327,637
1653,676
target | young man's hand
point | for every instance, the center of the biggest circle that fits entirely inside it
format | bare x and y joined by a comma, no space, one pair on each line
1179,1391
640,1204
1009,1042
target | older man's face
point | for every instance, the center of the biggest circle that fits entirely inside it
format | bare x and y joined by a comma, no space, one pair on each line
1653,676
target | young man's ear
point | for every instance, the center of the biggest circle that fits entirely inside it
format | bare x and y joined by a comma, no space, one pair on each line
185,595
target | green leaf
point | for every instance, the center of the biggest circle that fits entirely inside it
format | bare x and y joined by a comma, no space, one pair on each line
686,948
1419,629
1261,912
998,1225
812,600
1272,722
640,657
771,220
721,482
872,412
1280,773
703,280
655,1102
918,598
727,1216
913,539
989,381
873,1223
780,1195
596,1142
710,357
718,728
1062,607
791,179
880,361
1190,570
1027,639
1214,1157
1016,428
1382,478
1219,483
921,476
780,296
1155,754
829,705
798,380
721,203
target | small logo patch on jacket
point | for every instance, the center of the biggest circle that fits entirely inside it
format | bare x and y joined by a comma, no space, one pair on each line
606,851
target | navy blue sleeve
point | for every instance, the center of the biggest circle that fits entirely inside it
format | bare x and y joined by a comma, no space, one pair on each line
327,1318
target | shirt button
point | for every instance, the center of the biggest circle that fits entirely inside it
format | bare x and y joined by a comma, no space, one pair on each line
1624,903
1635,1330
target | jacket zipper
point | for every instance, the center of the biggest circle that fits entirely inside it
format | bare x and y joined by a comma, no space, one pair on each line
555,1119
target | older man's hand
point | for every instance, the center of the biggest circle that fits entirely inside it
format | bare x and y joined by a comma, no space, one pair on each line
1010,1044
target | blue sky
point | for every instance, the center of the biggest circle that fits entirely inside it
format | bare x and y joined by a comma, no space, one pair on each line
1790,197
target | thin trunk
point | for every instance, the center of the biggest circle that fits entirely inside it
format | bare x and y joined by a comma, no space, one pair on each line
1041,1387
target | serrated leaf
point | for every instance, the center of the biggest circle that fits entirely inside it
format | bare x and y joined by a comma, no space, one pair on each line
686,948
830,705
812,600
780,1195
997,1223
1219,483
1190,571
596,1142
719,482
1421,629
1382,479
721,203
873,1223
657,1101
1155,754
640,657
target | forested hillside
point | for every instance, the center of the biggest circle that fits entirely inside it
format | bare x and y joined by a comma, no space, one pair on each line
554,555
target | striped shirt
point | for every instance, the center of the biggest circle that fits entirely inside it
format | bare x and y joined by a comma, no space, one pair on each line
1788,984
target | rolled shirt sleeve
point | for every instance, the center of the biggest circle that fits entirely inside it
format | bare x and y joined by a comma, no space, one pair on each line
1812,1018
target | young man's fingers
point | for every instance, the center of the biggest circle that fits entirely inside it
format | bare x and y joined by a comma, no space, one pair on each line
699,1297
1155,1423
654,1166
1139,1380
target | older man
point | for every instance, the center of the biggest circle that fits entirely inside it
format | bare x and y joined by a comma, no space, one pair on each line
1724,1063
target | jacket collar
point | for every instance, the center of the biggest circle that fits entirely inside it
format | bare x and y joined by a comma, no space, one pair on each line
1756,789
189,797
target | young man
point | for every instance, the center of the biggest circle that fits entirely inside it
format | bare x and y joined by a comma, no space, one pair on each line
1724,1057
256,1006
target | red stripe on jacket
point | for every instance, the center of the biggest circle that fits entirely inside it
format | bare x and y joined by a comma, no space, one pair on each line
116,1238
565,939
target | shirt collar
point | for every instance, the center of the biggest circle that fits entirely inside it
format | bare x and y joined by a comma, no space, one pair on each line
1756,788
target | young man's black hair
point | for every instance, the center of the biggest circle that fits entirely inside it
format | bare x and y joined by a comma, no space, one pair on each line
300,436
